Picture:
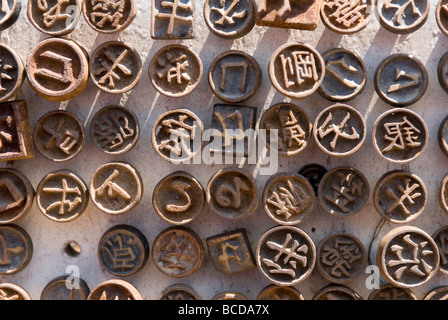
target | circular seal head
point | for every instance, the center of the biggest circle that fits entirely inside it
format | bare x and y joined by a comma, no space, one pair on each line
18,249
115,289
57,289
274,292
175,70
179,291
109,16
293,128
401,80
440,237
403,17
115,67
296,70
443,194
346,16
11,291
336,292
9,15
442,16
388,291
442,70
438,293
407,257
57,69
289,249
399,135
13,72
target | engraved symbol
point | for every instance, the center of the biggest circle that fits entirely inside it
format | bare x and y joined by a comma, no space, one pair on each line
105,11
6,136
347,12
104,296
110,74
399,15
227,65
225,12
401,135
4,250
346,191
121,253
391,294
285,8
341,62
402,74
302,65
65,191
415,263
175,251
175,69
173,16
5,68
291,130
180,187
225,133
66,74
64,139
443,248
108,136
339,130
293,255
4,296
180,133
229,196
407,195
225,256
111,188
6,9
17,196
53,14
340,257
291,200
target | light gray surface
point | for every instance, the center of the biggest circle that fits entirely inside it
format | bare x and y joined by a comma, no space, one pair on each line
372,44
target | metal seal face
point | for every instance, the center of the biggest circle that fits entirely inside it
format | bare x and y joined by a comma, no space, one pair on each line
179,291
442,136
443,194
438,293
62,196
401,80
232,193
230,252
17,249
115,289
175,70
285,255
442,69
11,292
341,258
343,191
401,16
303,15
345,75
274,292
10,13
59,135
339,130
440,237
109,16
58,289
123,250
346,16
313,173
177,252
399,196
57,69
116,188
230,19
442,16
293,128
296,70
172,19
391,292
403,242
400,135
336,292
16,195
12,72
177,135
291,186
115,130
234,76
54,17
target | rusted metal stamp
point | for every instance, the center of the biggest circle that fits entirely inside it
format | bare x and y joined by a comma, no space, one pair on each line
341,258
179,291
229,295
233,129
173,19
16,247
116,187
399,196
58,69
62,288
285,255
11,292
62,196
177,252
336,292
16,141
230,252
289,14
9,13
400,135
234,76
442,136
109,16
274,292
407,257
345,75
115,129
442,69
177,135
390,292
54,17
346,16
440,237
16,195
115,67
178,198
12,73
402,17
115,289
296,70
123,250
401,80
339,130
437,293
343,191
175,70
443,194
314,173
59,135
442,16
232,193
293,126
230,19
288,198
